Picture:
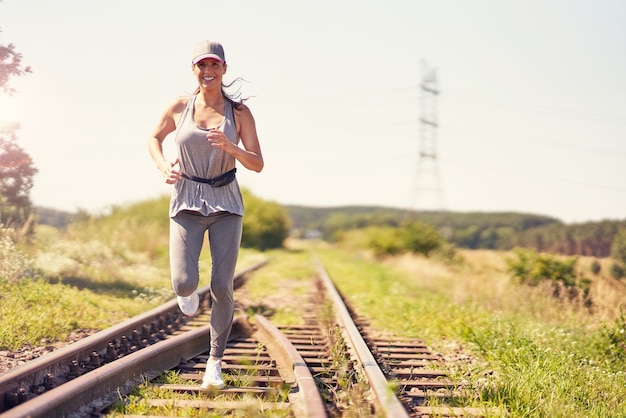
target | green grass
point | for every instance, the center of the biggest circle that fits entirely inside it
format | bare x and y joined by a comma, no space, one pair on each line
518,348
135,402
281,289
563,364
68,284
37,310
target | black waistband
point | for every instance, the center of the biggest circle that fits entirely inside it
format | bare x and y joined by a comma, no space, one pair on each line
219,181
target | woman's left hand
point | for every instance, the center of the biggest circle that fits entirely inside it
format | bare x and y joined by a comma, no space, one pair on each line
217,139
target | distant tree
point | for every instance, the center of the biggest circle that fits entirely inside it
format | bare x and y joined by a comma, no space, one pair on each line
266,224
618,247
421,238
16,180
10,66
467,236
335,225
16,167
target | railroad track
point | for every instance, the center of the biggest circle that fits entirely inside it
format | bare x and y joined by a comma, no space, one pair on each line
153,365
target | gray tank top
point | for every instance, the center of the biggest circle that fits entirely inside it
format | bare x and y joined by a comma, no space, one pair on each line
198,158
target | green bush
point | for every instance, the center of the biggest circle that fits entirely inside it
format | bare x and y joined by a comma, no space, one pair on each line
421,238
413,237
385,240
596,267
144,225
266,224
338,224
531,267
615,340
140,226
617,271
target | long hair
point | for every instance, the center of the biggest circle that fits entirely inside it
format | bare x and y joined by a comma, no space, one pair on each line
234,97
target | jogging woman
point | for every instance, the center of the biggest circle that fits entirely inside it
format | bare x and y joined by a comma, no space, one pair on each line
208,127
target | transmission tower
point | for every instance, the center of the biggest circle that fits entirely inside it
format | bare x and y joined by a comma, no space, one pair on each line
427,194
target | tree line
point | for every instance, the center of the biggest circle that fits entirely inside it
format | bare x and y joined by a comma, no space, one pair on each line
472,230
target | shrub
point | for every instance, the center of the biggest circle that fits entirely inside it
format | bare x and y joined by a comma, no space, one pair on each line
265,224
532,268
617,271
614,341
414,237
421,238
596,267
385,240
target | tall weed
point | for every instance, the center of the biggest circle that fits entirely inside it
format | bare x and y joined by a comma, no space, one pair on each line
613,343
14,263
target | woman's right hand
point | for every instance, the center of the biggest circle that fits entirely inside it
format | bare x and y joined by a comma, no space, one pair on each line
170,175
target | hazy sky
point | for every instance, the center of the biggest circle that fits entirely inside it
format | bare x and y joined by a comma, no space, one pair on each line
532,110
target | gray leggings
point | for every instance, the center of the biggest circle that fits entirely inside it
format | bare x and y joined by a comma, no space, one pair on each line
187,231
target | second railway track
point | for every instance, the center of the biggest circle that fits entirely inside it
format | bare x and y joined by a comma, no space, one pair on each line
330,365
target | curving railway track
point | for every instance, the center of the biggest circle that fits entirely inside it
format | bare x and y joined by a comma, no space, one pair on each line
330,366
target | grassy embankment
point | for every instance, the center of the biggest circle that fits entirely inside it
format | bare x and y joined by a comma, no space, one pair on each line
520,348
524,351
97,273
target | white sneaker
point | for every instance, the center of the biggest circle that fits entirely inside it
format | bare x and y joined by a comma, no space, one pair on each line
213,375
189,304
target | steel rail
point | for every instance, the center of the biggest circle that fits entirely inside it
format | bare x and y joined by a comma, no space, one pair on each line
102,386
33,374
384,397
281,347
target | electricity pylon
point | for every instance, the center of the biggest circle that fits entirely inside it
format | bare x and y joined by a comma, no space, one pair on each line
428,194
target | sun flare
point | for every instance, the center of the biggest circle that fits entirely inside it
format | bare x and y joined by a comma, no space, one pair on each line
10,110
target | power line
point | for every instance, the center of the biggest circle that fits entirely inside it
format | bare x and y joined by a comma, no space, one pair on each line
359,99
531,107
525,175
